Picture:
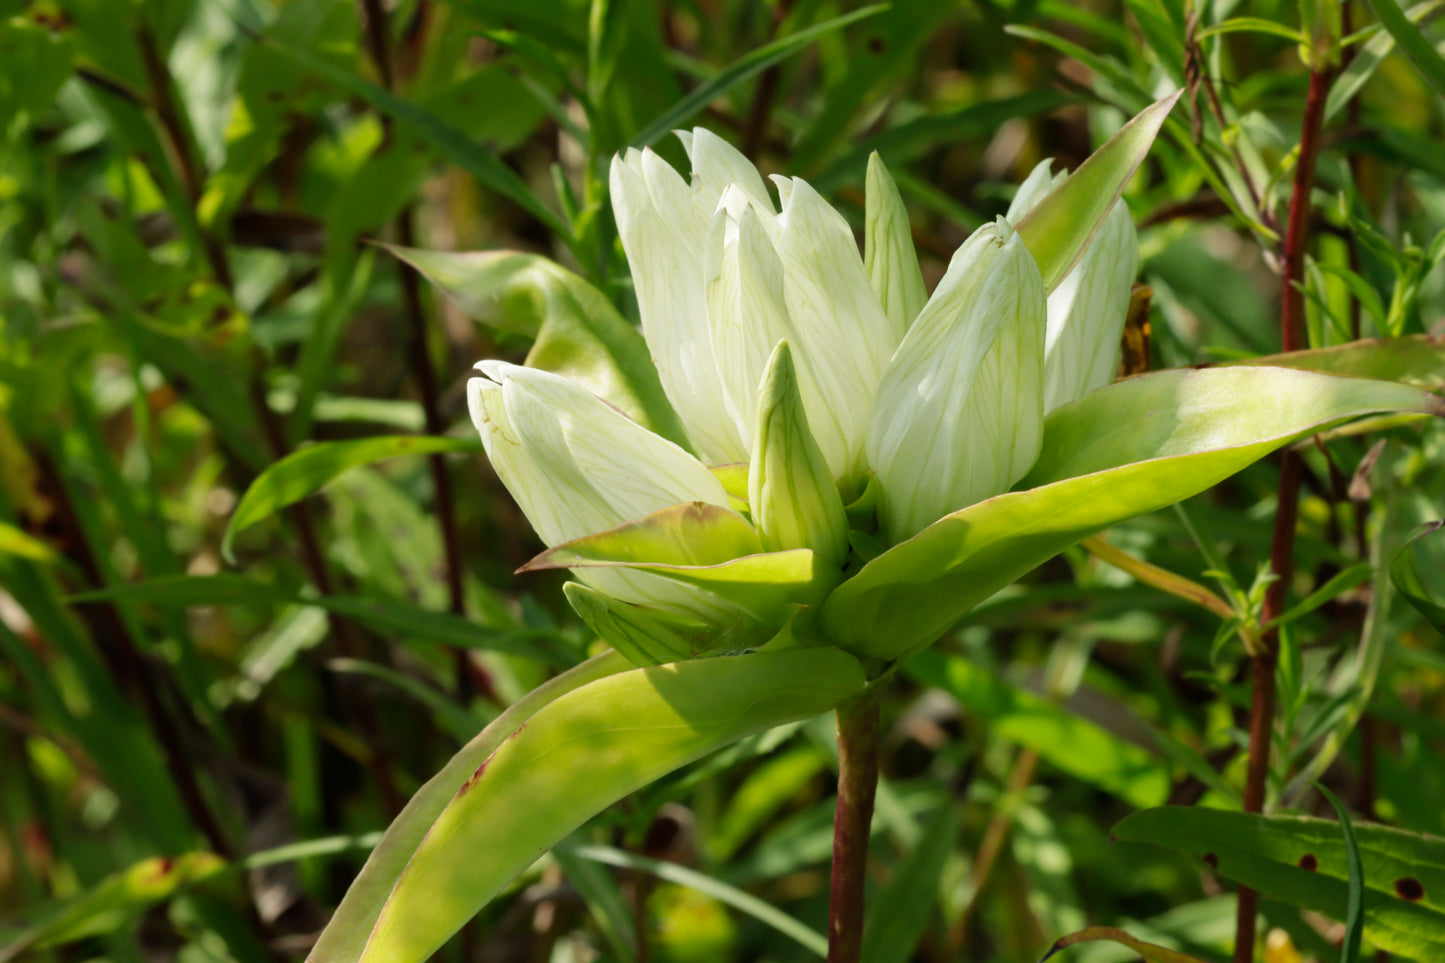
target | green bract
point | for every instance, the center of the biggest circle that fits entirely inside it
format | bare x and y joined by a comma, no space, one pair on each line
852,466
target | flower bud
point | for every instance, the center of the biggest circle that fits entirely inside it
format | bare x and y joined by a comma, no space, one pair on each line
959,413
795,503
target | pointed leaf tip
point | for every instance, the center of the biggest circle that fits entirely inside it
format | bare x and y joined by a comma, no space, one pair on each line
1059,228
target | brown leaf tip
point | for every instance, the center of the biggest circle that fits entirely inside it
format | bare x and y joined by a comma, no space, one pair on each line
1410,889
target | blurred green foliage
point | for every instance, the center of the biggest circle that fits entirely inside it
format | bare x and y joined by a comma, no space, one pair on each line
190,290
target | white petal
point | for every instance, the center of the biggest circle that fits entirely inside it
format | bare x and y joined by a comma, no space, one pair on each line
843,338
717,164
959,411
576,466
1087,312
663,235
1035,188
747,313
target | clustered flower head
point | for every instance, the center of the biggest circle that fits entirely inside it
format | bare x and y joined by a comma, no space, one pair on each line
829,403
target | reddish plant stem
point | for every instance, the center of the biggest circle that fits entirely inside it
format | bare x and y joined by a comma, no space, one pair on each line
857,786
1281,555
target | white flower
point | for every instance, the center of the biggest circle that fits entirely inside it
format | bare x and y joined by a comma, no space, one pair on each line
782,347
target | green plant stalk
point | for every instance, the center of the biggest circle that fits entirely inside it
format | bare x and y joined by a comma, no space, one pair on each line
1264,661
857,785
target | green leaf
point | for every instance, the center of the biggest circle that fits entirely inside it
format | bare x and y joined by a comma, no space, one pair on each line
14,541
1420,51
1405,571
706,546
1117,452
576,330
1058,229
1417,359
344,938
303,472
630,629
690,534
898,917
410,622
455,719
1305,862
741,70
114,902
621,732
1252,25
1355,914
1077,746
450,142
1149,951
803,935
1366,61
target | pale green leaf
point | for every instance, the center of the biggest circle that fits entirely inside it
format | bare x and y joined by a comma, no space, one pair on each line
345,936
622,732
303,472
576,330
1059,228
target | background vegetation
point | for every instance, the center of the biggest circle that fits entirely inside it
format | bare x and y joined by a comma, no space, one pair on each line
200,734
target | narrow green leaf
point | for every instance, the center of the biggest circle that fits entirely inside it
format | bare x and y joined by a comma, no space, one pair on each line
14,541
457,720
1305,862
451,143
1405,573
1117,452
1342,582
303,472
575,329
620,733
1149,951
899,916
1252,25
345,936
744,69
1417,359
1366,61
1420,51
1355,912
805,936
630,629
410,622
1059,228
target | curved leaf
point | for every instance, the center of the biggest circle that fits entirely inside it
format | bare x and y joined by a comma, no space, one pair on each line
1305,862
706,546
1117,452
740,70
1417,359
344,938
1058,229
1149,951
303,472
619,734
575,329
1405,571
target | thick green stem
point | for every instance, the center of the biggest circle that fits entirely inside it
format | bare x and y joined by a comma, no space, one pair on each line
857,785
